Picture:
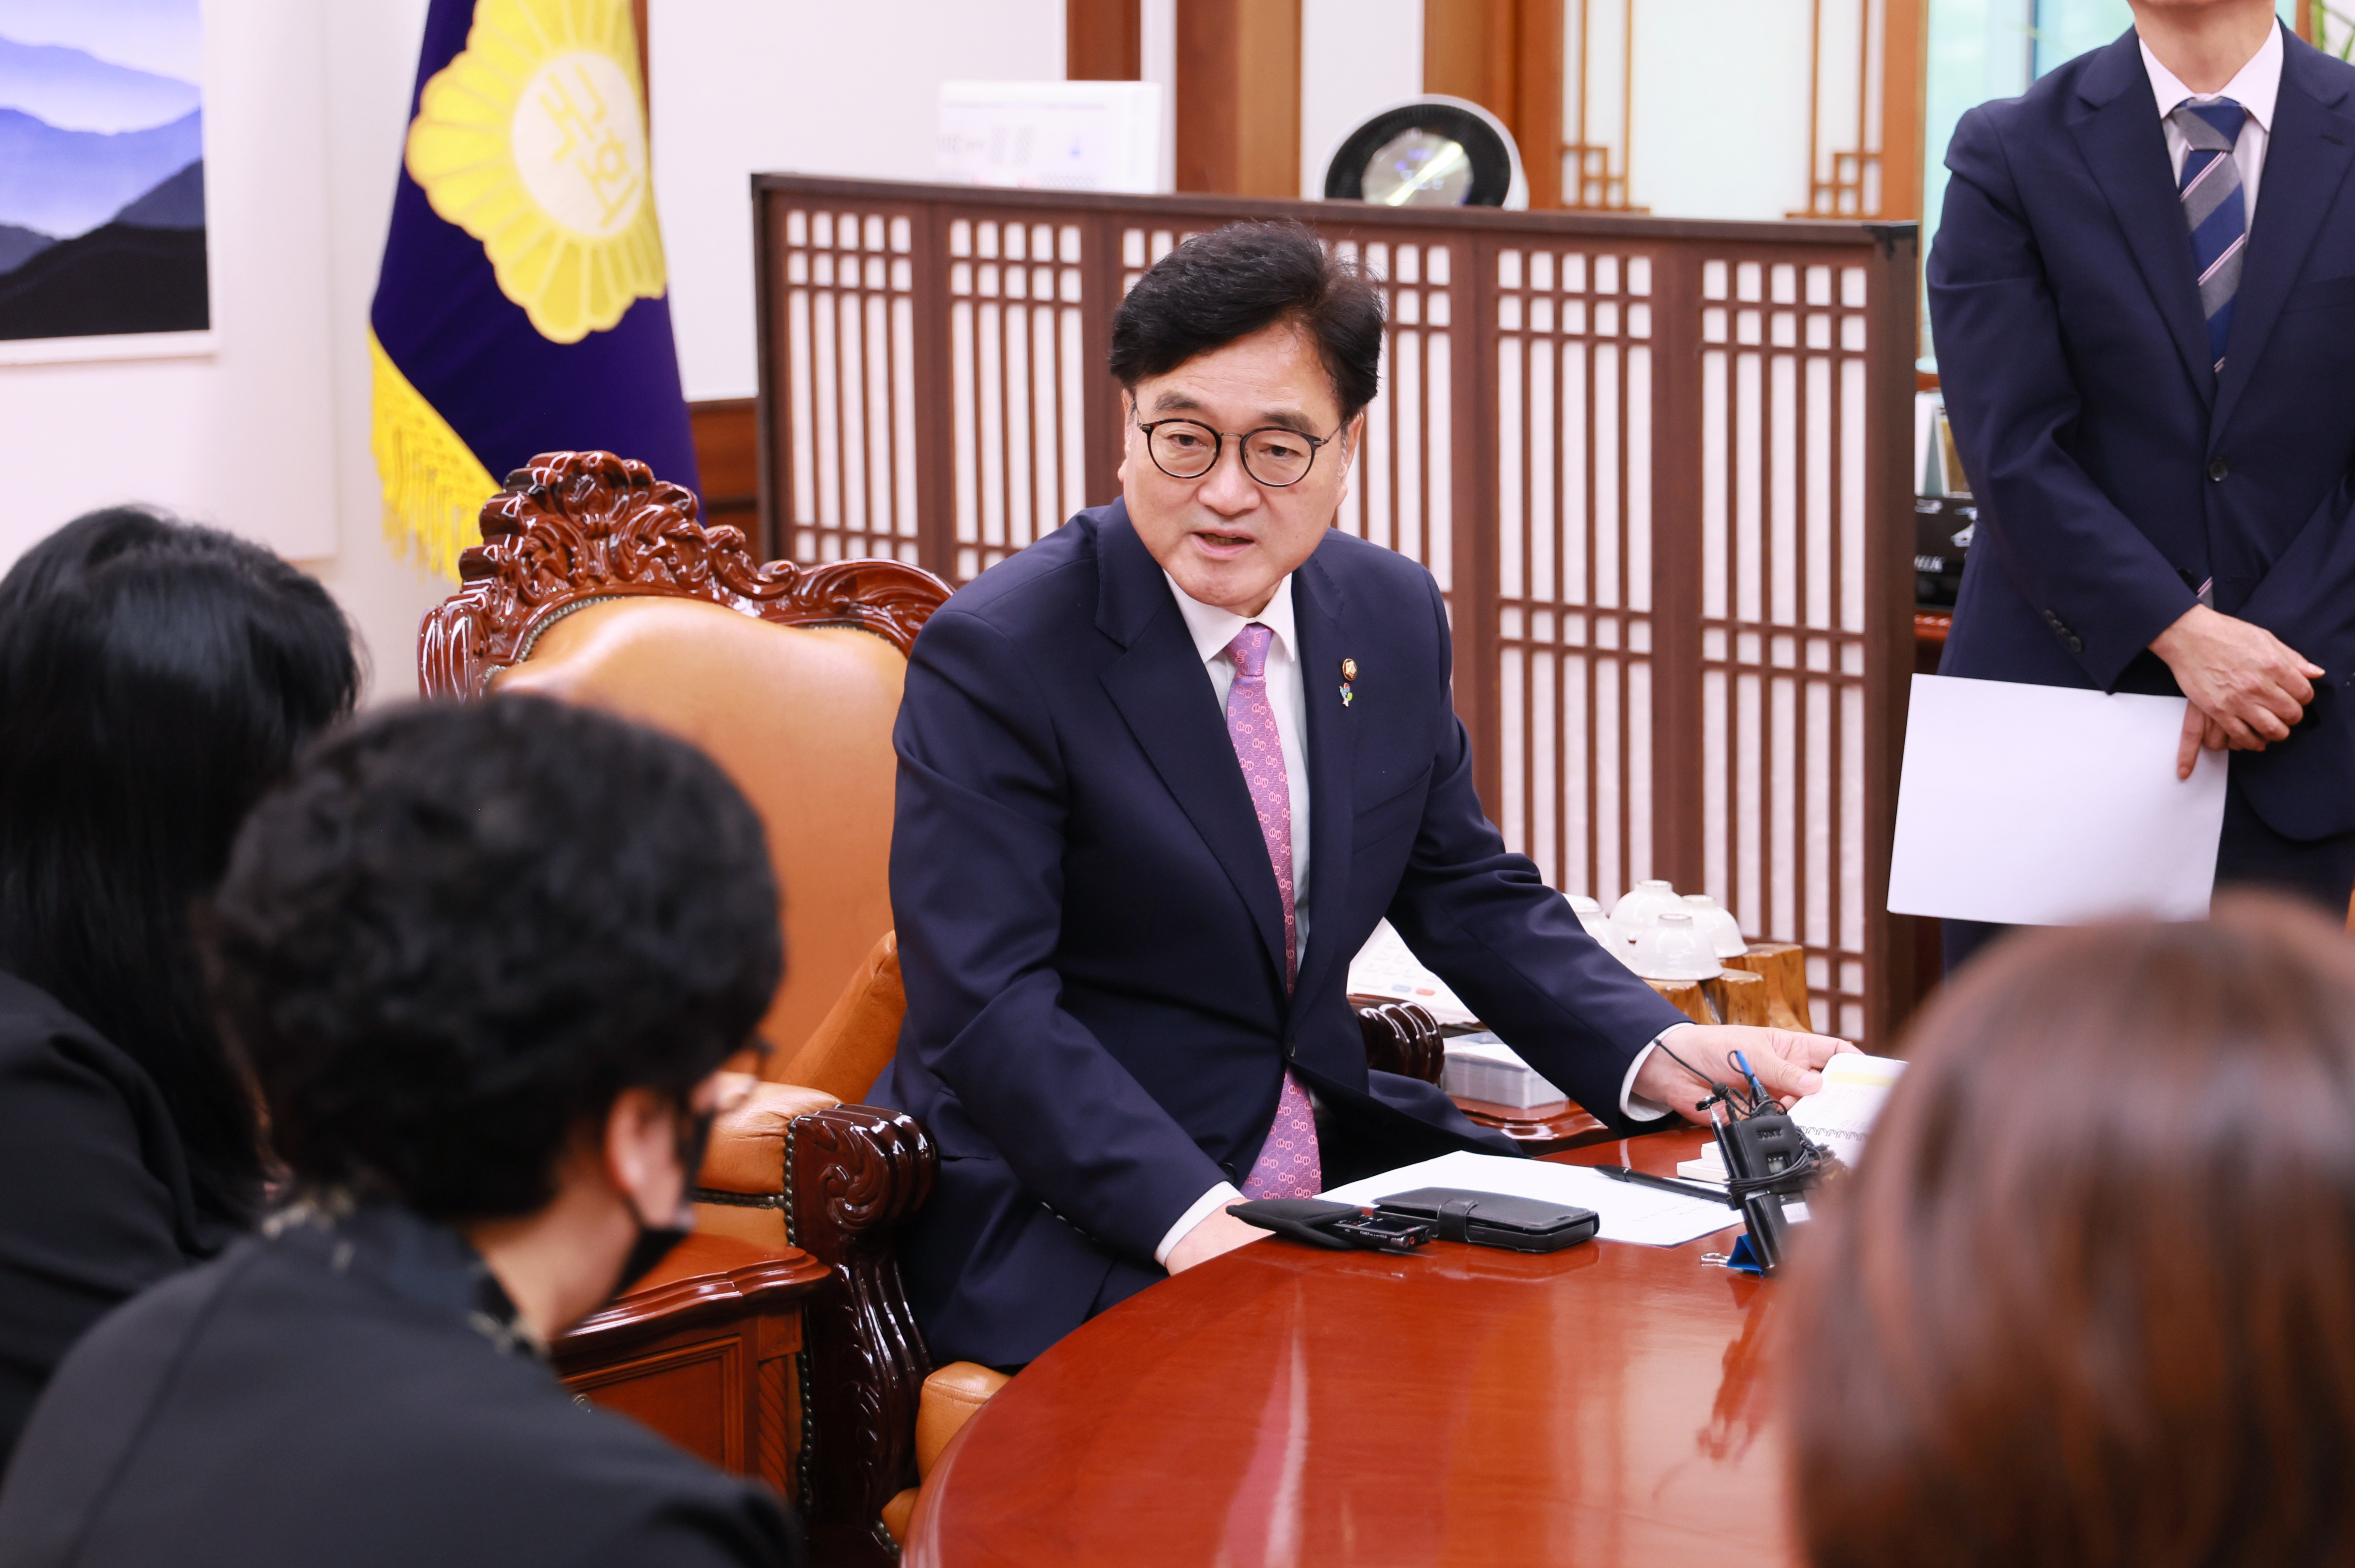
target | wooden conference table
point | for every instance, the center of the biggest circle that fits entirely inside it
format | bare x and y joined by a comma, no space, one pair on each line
1601,1406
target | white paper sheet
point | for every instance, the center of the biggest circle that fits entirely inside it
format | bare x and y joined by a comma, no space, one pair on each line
2046,805
1623,1212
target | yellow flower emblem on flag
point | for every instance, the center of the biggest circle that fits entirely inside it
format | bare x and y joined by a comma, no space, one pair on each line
532,140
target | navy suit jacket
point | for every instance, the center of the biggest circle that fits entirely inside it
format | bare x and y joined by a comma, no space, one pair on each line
2115,467
1091,937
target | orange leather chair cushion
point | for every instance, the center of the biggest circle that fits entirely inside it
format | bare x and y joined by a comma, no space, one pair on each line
801,718
746,1156
747,1152
951,1397
850,1049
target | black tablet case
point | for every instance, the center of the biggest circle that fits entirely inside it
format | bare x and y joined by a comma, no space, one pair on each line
1493,1220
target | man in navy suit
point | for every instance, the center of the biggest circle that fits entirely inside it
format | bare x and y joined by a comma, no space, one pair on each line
2149,371
1160,775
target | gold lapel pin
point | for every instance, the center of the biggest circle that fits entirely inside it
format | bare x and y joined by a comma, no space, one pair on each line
1349,669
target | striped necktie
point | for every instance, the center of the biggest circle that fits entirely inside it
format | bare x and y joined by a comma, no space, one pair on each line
2215,208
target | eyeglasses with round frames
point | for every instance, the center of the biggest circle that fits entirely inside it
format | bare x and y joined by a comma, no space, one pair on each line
1271,456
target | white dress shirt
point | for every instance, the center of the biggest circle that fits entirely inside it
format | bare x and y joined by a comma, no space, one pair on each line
2255,89
1212,629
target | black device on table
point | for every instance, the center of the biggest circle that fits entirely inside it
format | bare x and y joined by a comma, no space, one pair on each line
1493,1218
1336,1226
1405,1220
1768,1159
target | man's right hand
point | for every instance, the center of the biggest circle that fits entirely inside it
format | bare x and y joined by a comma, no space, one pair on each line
2245,684
1217,1233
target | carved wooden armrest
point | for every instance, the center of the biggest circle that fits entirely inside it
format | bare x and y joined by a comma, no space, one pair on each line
1401,1038
705,1279
854,1174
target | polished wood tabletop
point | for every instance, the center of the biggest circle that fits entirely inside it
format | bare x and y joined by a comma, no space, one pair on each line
1284,1405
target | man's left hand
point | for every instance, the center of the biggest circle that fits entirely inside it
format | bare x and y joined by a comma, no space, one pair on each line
1787,1065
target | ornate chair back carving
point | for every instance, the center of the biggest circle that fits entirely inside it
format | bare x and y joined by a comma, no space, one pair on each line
595,582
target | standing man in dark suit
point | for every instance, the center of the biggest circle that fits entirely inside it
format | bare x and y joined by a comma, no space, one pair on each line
2148,370
1160,775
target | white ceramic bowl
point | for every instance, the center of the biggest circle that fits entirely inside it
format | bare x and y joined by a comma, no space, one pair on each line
1632,916
1634,947
1677,949
1718,922
1641,902
1591,916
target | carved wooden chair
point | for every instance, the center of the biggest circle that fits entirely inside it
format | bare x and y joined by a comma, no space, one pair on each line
596,582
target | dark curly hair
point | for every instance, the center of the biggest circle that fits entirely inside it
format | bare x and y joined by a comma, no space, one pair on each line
155,677
459,932
1222,286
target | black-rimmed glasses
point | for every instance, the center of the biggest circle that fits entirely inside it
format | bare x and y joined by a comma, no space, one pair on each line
1271,456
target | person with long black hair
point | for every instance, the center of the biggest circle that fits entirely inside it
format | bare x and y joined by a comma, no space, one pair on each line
155,678
486,963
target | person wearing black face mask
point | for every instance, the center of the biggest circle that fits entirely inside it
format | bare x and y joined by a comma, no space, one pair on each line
656,1243
483,963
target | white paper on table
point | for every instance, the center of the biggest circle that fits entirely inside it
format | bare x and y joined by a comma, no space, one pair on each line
1624,1210
2046,805
1386,966
1840,1115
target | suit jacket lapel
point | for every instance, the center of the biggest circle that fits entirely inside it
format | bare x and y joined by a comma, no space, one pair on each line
2306,162
2123,144
1165,698
1317,608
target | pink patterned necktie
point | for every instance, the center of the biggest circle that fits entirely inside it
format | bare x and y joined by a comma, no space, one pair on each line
1288,1165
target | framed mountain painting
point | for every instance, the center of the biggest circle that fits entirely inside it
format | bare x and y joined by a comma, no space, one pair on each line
101,169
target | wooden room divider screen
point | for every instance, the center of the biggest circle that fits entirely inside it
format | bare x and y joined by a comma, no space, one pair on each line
1660,469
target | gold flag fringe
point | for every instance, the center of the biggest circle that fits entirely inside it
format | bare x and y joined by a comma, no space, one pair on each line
435,485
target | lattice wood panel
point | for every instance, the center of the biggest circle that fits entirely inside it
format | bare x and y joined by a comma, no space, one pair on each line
1018,380
1784,585
1401,494
1657,468
1574,420
848,477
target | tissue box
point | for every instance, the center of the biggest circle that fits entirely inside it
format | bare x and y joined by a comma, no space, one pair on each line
1482,1067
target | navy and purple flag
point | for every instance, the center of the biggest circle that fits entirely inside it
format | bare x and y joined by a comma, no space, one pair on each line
522,306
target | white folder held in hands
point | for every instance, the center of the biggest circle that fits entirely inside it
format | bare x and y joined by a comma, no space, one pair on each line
2047,805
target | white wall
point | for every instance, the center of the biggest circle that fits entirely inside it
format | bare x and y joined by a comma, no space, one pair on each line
370,57
268,436
306,107
239,434
1720,121
1356,56
802,87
